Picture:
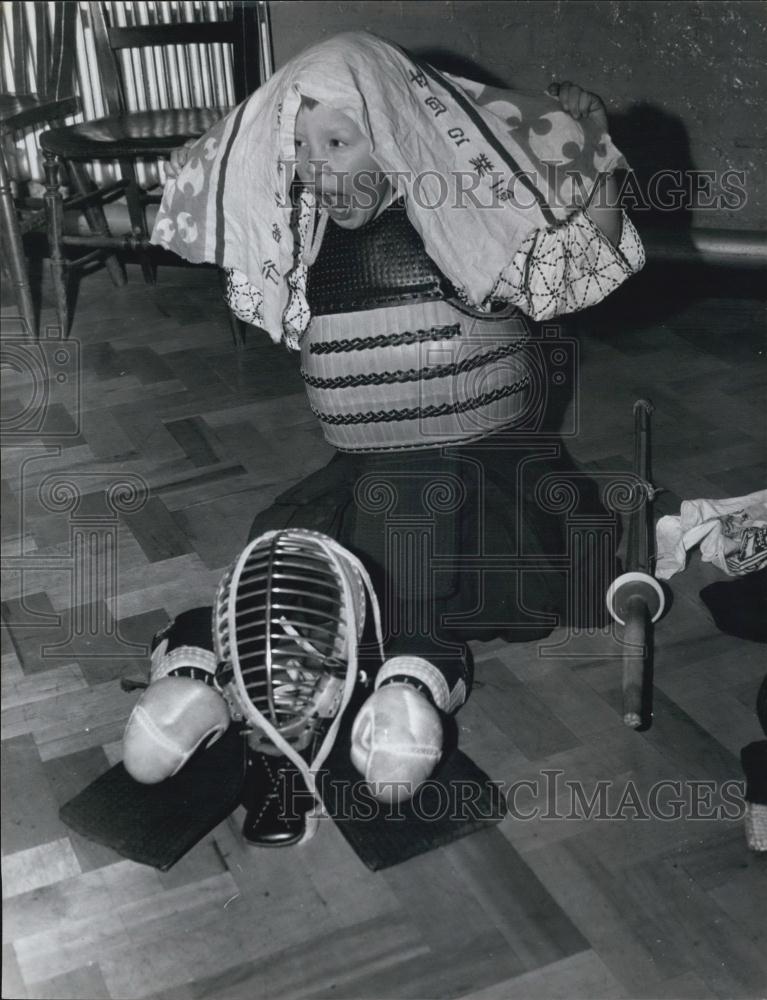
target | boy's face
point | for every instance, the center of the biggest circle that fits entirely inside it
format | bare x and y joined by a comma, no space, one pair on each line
334,157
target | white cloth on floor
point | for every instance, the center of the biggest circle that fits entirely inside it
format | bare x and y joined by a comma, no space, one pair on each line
756,826
732,534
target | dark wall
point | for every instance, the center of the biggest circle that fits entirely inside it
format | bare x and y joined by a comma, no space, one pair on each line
685,82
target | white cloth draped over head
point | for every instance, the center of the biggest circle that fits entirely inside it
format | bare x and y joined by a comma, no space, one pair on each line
521,162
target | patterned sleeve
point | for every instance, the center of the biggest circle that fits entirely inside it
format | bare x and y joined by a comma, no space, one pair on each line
568,268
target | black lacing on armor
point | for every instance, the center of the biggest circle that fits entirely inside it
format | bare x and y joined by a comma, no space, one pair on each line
413,374
387,340
418,412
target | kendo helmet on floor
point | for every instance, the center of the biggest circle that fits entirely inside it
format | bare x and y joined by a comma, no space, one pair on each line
288,615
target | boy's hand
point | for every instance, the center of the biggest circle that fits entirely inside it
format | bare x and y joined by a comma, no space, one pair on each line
178,160
580,103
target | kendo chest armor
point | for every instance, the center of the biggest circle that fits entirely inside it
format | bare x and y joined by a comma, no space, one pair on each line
392,360
383,263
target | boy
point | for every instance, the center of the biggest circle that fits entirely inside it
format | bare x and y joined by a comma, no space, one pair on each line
425,203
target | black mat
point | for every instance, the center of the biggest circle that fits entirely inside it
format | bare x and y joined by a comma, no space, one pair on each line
458,800
157,824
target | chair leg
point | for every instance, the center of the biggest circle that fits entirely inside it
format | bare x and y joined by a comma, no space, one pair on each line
17,265
238,329
54,211
138,218
97,221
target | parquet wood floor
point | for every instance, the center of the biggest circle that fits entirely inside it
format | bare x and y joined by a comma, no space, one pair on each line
150,390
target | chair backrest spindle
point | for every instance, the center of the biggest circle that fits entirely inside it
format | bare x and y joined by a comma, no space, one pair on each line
59,59
20,42
247,71
43,67
109,73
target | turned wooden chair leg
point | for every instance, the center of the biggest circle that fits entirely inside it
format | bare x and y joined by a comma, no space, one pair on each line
239,330
97,221
54,212
138,218
13,251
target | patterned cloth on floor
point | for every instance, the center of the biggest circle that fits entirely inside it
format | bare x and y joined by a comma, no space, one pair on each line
732,535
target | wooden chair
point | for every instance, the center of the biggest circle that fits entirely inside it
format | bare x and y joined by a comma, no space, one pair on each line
28,103
124,136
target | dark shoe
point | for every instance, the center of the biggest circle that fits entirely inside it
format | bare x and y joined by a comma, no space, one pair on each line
276,808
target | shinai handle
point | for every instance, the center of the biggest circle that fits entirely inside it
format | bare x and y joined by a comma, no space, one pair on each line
634,660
